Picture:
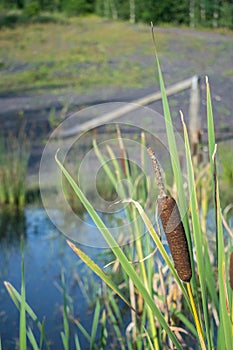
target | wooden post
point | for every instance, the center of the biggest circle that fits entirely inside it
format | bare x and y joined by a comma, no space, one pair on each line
194,117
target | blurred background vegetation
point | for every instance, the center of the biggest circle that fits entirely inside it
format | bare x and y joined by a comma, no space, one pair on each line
195,13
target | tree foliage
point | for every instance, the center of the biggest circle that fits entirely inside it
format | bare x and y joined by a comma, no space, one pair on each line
209,13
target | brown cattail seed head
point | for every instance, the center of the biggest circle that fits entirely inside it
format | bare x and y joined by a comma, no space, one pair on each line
231,270
174,230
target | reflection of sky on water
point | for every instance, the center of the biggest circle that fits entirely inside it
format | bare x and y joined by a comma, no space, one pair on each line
46,253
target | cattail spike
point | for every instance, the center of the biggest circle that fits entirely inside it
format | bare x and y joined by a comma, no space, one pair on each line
176,238
157,171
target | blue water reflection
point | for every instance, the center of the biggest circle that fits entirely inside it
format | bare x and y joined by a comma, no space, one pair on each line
46,255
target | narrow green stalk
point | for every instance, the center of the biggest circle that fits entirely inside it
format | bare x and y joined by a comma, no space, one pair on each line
224,316
65,333
196,318
145,280
115,325
22,325
197,233
32,339
95,324
104,332
76,341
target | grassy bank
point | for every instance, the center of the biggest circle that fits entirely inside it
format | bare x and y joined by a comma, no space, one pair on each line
83,54
79,54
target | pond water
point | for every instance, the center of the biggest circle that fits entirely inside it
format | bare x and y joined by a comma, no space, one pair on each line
46,256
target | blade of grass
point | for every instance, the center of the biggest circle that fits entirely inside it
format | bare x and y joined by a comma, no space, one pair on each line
65,333
188,325
126,168
225,319
118,171
103,162
32,339
197,233
12,292
42,334
115,308
76,341
22,324
119,255
196,318
95,324
143,271
116,327
95,268
103,333
83,330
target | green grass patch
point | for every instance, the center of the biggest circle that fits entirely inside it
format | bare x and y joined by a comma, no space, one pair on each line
14,156
82,54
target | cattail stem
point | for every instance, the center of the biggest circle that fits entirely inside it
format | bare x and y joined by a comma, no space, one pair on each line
196,318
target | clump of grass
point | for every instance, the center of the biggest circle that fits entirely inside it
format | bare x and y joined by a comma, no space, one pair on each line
14,156
154,328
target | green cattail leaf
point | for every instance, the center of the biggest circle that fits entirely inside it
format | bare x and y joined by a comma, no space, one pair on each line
32,339
22,322
95,324
104,332
116,327
83,330
104,164
197,232
76,341
98,271
225,319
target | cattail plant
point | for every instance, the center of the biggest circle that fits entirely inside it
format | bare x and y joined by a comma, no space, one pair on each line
176,238
173,226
